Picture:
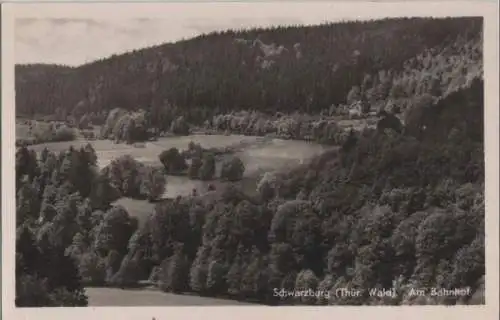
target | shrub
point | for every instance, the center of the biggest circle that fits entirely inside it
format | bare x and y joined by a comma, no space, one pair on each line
153,183
173,161
232,169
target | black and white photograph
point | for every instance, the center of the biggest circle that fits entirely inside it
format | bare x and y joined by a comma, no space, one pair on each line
259,154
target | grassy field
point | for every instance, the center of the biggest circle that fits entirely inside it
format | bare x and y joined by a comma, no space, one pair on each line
142,209
22,128
257,153
114,297
22,131
108,150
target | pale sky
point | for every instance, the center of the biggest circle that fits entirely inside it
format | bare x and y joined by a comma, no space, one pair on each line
76,33
66,39
76,41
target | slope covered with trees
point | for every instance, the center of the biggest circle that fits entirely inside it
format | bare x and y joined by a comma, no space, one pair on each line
397,206
291,69
387,210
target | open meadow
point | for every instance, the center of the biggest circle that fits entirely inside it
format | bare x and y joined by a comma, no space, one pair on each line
259,155
114,297
107,150
23,128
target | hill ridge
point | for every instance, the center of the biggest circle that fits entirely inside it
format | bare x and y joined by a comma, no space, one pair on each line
382,61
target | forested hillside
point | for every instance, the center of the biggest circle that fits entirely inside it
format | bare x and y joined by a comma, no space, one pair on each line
288,69
398,206
388,210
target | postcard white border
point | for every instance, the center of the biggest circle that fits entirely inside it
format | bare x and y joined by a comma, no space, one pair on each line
355,9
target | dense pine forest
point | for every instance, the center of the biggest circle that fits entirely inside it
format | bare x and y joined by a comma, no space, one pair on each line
400,205
290,69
